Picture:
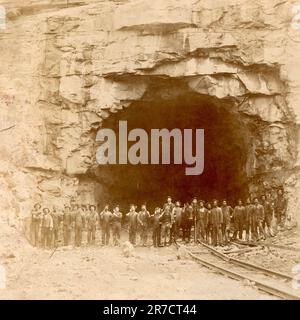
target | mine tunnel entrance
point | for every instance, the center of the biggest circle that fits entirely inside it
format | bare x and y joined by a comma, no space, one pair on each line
226,144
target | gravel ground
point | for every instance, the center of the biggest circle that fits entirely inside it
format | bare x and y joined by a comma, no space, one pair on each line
106,273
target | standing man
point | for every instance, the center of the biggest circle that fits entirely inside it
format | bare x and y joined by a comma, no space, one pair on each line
259,217
201,221
116,225
268,209
216,220
156,227
132,216
67,225
195,209
169,203
143,220
56,218
238,218
92,221
47,226
187,222
227,215
280,209
166,225
176,220
79,222
105,217
36,216
208,229
249,216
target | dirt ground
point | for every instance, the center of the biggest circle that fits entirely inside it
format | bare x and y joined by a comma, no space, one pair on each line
98,272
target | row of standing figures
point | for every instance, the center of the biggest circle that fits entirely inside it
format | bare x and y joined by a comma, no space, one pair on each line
195,221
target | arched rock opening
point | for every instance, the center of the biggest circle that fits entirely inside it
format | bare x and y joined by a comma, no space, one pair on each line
171,104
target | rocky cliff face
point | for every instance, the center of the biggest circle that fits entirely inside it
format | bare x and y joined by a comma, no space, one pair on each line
67,68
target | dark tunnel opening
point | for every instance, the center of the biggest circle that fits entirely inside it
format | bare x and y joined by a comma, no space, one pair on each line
226,142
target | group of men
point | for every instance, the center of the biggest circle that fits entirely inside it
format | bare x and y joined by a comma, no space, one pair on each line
198,221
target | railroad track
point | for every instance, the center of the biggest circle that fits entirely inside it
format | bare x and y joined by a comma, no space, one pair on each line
270,281
267,245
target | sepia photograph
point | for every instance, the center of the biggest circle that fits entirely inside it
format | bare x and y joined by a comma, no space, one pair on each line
149,150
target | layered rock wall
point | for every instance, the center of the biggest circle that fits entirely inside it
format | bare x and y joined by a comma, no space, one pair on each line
65,67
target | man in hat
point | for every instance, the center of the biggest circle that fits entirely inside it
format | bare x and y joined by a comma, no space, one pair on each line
169,203
187,222
249,219
201,222
227,215
105,217
79,223
216,221
116,225
195,209
36,216
143,220
280,208
208,227
132,216
268,209
47,226
258,218
156,227
176,220
166,225
238,217
57,218
92,222
67,225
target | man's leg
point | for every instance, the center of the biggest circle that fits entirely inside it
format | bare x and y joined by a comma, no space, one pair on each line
220,236
89,235
130,235
207,233
103,235
65,235
154,237
107,234
241,230
48,237
32,233
254,234
145,236
134,236
247,228
119,233
114,234
76,236
261,230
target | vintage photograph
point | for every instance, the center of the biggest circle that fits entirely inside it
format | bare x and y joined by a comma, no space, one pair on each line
149,150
